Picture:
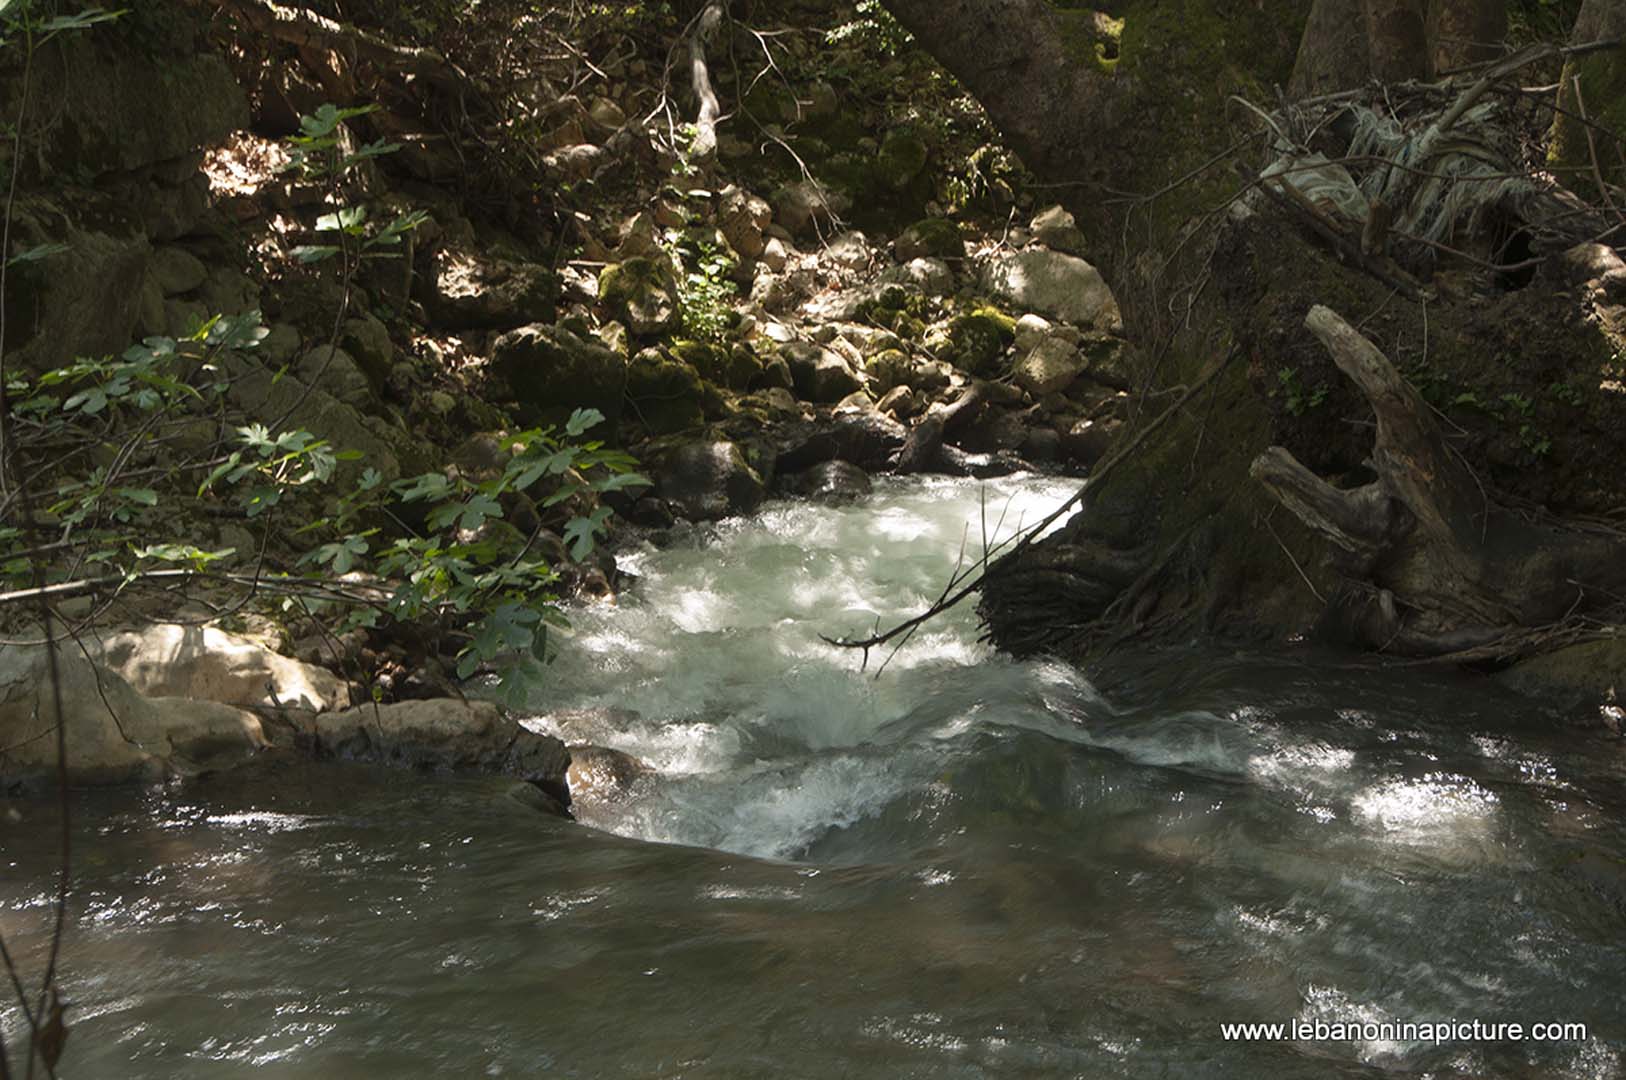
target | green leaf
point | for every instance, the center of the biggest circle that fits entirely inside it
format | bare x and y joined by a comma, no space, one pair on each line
581,420
580,532
35,254
621,481
344,219
313,253
144,496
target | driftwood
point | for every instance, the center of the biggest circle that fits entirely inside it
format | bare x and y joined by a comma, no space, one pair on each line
923,448
1435,567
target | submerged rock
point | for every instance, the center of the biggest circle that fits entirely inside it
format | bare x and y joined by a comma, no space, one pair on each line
600,775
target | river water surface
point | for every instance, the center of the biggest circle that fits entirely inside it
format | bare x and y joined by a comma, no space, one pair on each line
966,867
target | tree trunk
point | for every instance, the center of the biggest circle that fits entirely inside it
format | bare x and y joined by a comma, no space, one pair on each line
1189,534
1593,87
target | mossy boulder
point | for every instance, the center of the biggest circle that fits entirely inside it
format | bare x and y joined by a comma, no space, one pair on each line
734,366
930,238
549,371
641,292
975,340
664,394
902,158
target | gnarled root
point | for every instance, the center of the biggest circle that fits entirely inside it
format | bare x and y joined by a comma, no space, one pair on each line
1434,567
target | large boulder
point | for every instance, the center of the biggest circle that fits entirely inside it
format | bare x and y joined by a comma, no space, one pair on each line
205,663
1054,284
643,293
267,395
820,375
707,480
466,289
549,371
443,735
664,393
108,113
82,301
113,734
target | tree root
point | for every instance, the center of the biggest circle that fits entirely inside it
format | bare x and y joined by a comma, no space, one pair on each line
1446,573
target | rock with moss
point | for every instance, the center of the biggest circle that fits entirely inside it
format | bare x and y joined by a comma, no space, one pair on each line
1059,286
643,293
663,393
930,238
902,158
464,288
549,371
367,339
974,341
1583,675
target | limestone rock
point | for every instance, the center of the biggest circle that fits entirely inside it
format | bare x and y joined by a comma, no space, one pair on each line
932,237
742,217
820,375
931,276
113,734
706,480
177,270
443,735
663,393
1053,284
901,159
850,251
204,663
335,371
1055,229
1049,367
800,205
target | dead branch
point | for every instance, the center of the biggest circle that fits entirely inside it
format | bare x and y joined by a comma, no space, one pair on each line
306,29
704,146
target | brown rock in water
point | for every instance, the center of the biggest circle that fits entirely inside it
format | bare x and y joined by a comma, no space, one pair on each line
598,774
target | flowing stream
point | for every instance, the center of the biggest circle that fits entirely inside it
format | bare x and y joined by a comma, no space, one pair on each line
967,867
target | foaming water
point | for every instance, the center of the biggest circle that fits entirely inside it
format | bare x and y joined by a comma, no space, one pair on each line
967,867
